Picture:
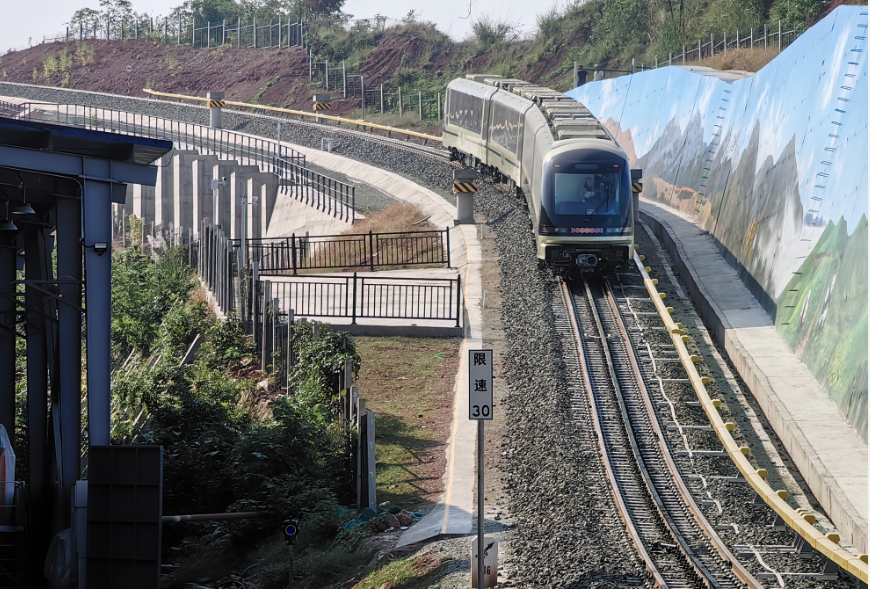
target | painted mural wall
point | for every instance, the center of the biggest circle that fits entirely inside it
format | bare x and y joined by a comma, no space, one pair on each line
774,166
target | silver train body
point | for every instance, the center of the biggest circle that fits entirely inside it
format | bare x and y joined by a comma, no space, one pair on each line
574,177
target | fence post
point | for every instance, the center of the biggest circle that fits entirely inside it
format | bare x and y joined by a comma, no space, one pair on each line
684,55
326,70
239,32
371,251
255,32
712,46
362,83
420,103
382,98
779,37
633,62
343,79
401,114
439,107
751,38
458,300
670,58
737,41
353,302
279,31
447,233
765,35
293,252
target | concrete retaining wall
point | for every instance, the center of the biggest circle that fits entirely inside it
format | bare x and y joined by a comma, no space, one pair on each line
774,166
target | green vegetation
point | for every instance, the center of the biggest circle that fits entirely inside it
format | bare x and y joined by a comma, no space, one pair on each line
229,443
822,314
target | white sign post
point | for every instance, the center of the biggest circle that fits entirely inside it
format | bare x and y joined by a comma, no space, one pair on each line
490,562
480,409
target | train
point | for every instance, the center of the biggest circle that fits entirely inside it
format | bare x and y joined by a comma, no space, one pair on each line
549,149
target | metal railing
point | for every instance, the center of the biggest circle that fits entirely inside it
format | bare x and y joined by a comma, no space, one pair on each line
318,116
183,31
361,250
217,265
370,297
322,192
705,48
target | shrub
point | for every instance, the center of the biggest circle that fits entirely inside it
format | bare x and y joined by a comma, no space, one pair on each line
490,31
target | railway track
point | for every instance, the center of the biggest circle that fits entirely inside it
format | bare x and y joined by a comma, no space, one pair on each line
676,543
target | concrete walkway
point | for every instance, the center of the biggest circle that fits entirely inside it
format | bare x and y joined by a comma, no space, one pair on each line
453,514
828,451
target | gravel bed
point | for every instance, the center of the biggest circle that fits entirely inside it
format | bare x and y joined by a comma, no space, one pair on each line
568,533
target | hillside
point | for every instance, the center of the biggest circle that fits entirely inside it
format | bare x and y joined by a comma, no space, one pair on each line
412,55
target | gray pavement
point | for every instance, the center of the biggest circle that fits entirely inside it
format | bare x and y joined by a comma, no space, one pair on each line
828,451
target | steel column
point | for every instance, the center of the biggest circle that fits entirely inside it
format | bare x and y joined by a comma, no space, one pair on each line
69,270
37,396
7,338
97,228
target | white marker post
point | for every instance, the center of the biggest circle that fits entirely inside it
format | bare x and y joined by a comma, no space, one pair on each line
480,409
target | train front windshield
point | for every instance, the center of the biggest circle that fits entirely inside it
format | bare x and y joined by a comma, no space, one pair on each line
586,195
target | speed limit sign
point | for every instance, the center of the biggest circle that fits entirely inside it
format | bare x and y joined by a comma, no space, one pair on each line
480,384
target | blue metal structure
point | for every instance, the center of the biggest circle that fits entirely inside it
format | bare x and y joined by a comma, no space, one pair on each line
57,186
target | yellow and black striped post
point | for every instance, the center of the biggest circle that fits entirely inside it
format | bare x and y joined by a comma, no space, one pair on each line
466,187
637,187
215,104
322,106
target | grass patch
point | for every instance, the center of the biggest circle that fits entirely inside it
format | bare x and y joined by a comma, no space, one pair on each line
409,383
410,573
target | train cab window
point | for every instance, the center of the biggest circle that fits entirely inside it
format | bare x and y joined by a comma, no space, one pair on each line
584,190
580,191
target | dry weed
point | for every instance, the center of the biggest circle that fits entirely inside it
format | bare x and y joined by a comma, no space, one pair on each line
749,60
395,218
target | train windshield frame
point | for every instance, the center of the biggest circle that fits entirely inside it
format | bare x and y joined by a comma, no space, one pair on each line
586,191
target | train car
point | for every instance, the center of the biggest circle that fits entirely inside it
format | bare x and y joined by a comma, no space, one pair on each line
551,150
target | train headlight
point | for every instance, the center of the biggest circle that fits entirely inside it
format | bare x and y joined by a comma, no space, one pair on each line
548,230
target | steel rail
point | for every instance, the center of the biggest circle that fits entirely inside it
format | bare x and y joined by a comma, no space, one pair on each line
644,498
302,113
736,567
652,569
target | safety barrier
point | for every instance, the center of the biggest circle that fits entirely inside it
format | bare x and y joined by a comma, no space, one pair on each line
305,114
371,250
370,297
800,523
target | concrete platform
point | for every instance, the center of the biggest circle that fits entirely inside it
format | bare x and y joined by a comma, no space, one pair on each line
829,453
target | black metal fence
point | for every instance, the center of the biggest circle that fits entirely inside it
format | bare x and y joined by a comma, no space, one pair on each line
371,250
371,297
331,196
268,307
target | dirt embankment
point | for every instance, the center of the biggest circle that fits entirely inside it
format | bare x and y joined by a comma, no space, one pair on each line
268,76
276,77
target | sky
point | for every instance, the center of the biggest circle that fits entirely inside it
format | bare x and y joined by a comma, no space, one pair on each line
21,20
